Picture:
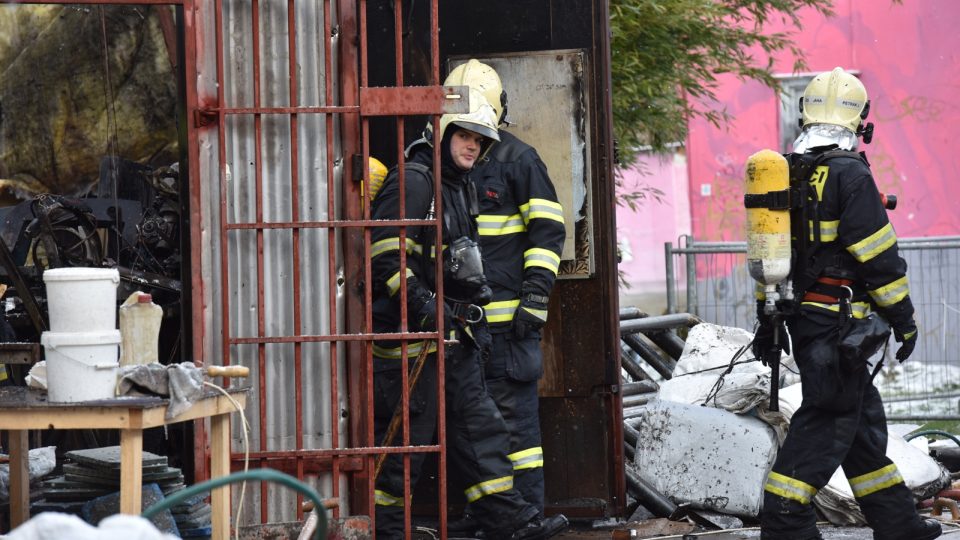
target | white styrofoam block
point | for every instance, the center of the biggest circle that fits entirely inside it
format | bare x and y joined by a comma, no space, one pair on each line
710,458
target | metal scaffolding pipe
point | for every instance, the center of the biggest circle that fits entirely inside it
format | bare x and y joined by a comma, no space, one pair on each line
637,400
639,387
630,434
642,345
659,322
630,413
632,367
652,499
632,313
669,342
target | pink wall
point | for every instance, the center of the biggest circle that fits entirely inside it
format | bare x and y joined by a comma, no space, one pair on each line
907,58
641,234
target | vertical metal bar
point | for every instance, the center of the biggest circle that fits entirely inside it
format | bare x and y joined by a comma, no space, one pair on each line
691,262
190,71
258,198
404,316
331,251
367,280
222,164
671,278
295,217
438,242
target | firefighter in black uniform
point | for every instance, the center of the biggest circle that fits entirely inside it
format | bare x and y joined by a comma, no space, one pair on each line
477,436
841,419
521,233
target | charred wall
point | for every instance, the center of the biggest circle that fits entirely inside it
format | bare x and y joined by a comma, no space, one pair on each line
583,457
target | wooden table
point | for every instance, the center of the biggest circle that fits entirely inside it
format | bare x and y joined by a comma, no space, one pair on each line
22,410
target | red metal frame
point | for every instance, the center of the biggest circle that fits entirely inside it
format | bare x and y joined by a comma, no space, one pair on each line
358,102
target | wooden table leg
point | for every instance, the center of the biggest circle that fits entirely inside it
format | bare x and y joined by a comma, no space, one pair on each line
19,477
131,470
219,467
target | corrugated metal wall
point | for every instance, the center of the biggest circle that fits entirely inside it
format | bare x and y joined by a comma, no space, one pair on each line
274,170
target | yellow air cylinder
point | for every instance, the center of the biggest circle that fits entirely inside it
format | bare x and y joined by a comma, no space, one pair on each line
768,231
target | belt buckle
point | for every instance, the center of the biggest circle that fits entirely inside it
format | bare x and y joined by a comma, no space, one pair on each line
846,302
474,314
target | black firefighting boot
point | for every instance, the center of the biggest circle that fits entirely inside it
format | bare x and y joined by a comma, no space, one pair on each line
926,529
465,527
541,529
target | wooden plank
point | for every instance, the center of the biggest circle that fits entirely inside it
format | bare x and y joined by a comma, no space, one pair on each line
206,407
66,418
131,470
19,477
219,467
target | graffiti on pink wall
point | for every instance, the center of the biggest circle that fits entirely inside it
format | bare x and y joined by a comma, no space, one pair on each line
906,56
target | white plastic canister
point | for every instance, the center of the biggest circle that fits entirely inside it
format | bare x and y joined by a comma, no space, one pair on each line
82,299
81,366
140,322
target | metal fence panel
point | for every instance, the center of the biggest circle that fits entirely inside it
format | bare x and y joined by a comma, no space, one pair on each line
924,388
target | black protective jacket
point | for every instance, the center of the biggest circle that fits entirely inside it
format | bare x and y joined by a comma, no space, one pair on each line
420,239
521,226
852,214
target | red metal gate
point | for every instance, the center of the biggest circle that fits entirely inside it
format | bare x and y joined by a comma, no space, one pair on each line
266,237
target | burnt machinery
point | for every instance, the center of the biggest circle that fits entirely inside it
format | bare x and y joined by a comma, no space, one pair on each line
131,223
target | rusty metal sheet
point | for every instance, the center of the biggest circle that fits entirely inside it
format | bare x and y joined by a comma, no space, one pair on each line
413,100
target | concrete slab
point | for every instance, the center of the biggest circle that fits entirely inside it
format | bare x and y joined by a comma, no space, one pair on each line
108,457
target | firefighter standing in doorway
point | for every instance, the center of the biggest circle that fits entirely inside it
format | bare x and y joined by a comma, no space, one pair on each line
852,267
522,233
476,432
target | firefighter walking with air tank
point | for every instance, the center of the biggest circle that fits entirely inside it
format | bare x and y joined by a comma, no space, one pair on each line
825,256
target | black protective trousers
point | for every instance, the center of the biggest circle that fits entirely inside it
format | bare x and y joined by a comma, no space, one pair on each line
477,443
512,371
841,421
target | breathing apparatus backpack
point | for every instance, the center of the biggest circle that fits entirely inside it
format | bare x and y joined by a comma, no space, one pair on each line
785,252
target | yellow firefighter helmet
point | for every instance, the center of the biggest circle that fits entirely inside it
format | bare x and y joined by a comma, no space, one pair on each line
836,98
481,119
484,78
378,172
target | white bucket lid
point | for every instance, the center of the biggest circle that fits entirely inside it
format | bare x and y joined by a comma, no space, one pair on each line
81,274
61,339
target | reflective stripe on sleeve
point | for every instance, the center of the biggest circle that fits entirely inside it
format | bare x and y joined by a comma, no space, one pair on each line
543,258
538,313
382,498
489,487
494,225
891,293
541,209
502,311
393,284
789,488
875,481
873,245
531,458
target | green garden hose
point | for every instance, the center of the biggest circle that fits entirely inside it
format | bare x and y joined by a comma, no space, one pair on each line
950,436
269,475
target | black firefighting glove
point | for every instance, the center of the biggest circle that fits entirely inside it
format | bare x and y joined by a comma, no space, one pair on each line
531,314
422,307
763,338
907,335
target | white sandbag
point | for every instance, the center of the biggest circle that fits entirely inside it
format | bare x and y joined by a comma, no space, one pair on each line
710,458
57,526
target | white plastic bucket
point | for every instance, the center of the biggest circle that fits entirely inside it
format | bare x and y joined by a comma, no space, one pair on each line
82,299
81,366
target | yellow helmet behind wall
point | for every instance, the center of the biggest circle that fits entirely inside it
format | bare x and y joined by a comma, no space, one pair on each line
483,78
